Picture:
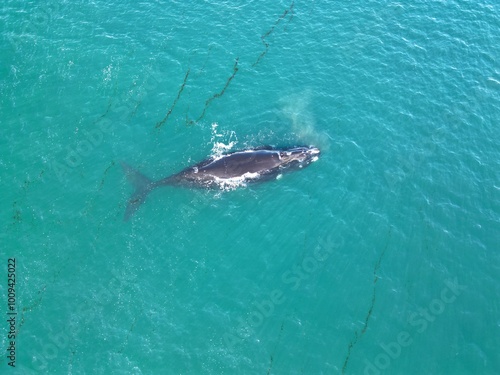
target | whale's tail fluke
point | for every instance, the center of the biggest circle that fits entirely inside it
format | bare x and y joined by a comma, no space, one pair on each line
142,185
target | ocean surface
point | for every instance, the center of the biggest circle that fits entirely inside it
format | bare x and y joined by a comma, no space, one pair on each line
380,258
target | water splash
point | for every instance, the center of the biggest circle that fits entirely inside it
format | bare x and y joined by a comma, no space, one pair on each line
222,142
107,72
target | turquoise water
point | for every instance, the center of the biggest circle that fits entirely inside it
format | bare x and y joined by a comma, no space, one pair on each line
380,258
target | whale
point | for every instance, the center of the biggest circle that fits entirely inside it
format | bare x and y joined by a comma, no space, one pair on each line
234,169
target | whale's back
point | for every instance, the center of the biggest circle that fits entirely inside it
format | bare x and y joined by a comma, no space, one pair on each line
240,163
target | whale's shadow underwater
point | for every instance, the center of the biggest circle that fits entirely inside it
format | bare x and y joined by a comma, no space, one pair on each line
233,169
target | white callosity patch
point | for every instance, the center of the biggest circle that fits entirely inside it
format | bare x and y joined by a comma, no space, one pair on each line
236,182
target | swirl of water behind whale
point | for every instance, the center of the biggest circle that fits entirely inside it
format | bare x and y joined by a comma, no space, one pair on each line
226,171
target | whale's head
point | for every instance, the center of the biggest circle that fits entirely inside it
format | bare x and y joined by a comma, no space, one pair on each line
299,157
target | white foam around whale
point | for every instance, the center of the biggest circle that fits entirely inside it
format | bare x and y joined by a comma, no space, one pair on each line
217,140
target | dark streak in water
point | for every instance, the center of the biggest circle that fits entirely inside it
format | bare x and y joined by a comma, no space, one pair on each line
202,69
104,174
130,331
33,305
160,124
16,216
17,211
40,294
287,13
372,304
274,350
270,31
216,95
270,365
110,104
